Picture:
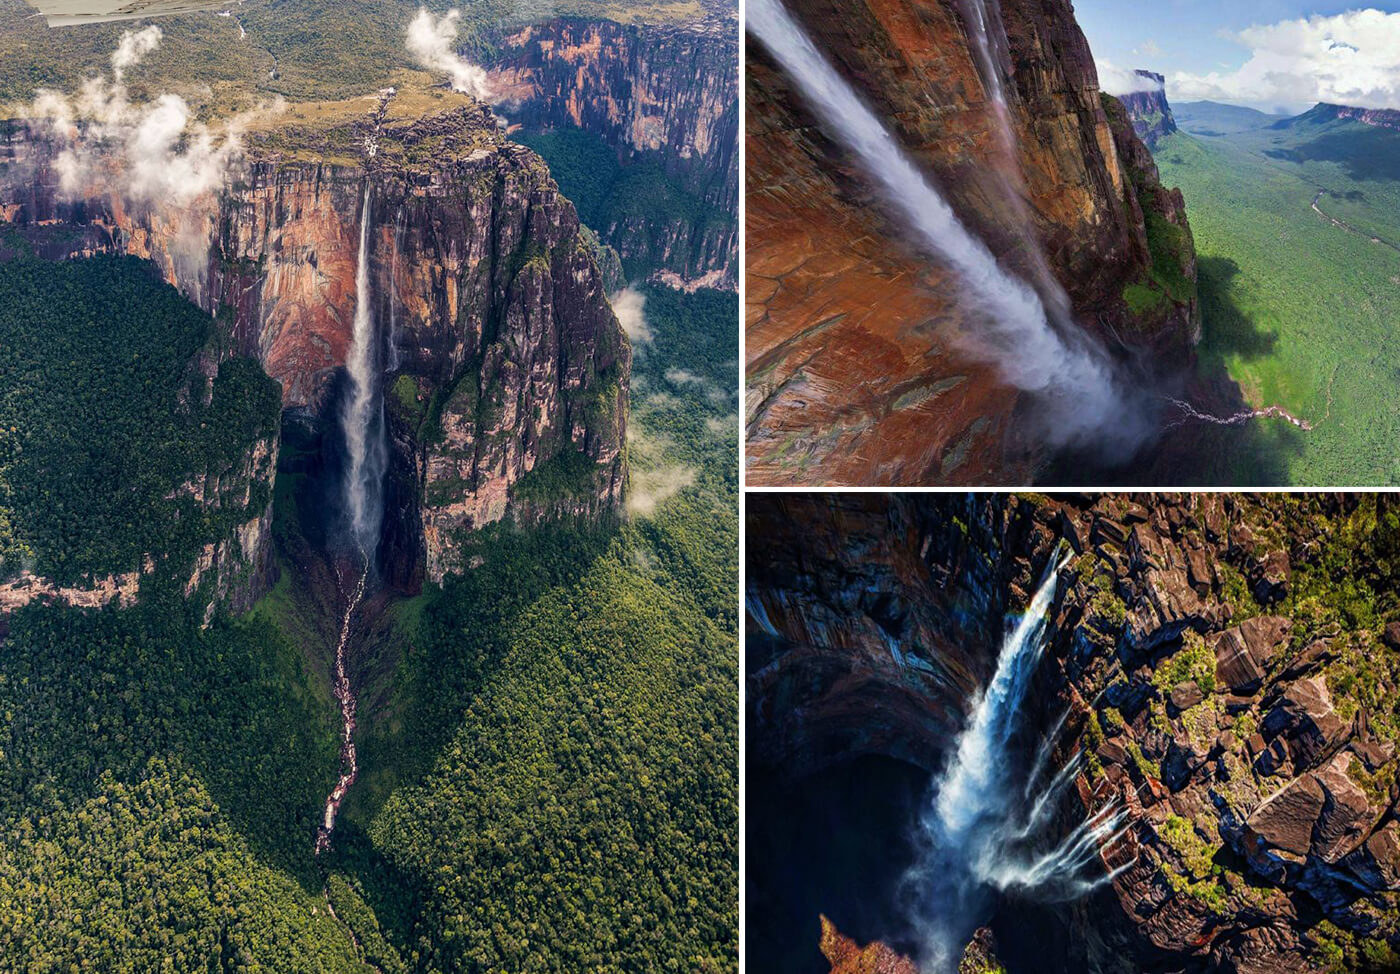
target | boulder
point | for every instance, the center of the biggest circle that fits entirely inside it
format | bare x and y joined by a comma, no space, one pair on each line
1304,717
1243,652
1271,584
1377,862
1200,571
1391,635
1347,814
1313,655
1286,820
1186,695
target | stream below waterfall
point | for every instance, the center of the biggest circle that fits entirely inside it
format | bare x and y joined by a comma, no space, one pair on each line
345,697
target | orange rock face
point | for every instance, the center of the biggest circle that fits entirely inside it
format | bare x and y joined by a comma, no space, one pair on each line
854,374
847,958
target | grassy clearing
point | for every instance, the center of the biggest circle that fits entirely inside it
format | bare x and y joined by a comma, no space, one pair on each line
1298,311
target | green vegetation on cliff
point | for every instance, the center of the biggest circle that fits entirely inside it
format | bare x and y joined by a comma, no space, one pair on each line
103,419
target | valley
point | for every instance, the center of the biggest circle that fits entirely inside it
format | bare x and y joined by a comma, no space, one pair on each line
368,522
1297,307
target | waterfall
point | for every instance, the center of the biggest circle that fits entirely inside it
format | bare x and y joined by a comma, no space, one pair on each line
1072,377
983,830
362,417
983,18
393,345
367,452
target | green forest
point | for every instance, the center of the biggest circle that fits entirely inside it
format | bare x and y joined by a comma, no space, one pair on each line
548,743
1297,310
103,417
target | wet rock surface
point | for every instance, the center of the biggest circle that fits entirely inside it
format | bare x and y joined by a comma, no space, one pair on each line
854,376
1251,736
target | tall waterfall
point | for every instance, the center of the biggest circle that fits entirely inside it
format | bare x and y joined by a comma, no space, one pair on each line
393,345
367,452
362,416
1071,375
984,829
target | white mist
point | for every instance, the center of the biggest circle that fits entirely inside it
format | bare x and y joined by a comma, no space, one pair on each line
1083,403
984,829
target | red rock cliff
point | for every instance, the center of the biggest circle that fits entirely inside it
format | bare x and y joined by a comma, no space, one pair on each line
507,356
852,377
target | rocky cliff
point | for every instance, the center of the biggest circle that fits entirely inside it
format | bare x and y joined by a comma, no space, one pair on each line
853,376
508,371
1150,113
1230,666
663,96
1388,118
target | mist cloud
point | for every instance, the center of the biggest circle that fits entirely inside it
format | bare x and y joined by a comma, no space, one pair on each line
134,46
433,43
1351,58
629,305
1114,80
147,152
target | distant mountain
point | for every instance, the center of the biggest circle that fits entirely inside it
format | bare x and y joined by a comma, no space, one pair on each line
1323,113
1211,118
1151,115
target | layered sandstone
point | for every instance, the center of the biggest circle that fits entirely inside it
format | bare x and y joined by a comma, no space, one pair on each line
493,313
664,96
855,375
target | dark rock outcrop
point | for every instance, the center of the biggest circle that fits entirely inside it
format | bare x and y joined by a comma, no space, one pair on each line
1151,114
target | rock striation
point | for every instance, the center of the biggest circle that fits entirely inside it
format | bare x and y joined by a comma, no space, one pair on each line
1150,113
853,374
1224,674
508,372
657,95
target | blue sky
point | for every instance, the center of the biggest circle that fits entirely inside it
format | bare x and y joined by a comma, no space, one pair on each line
1256,51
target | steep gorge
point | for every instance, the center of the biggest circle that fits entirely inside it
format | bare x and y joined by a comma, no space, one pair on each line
1224,666
660,97
508,396
857,372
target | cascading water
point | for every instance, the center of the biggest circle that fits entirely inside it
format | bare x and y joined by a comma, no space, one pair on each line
362,421
392,355
983,830
983,18
1072,376
362,417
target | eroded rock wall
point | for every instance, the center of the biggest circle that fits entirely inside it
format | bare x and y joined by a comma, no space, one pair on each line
663,95
502,352
826,260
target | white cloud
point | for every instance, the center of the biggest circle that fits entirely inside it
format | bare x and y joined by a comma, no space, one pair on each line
433,41
1349,59
1149,48
630,307
1114,80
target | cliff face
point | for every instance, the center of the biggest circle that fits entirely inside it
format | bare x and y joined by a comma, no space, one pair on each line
1244,719
503,354
1388,118
1151,115
823,259
231,570
666,96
